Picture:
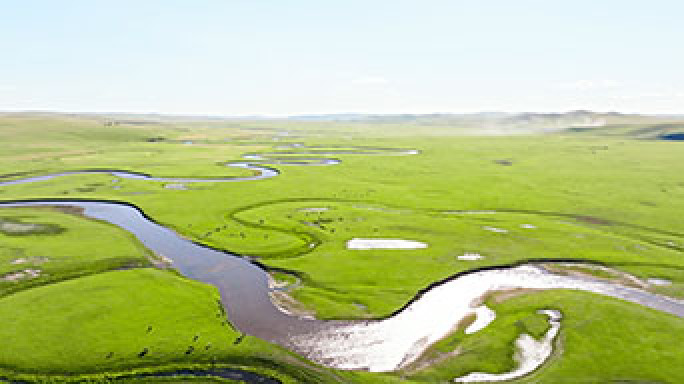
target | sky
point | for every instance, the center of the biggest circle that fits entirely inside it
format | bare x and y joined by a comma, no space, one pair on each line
276,58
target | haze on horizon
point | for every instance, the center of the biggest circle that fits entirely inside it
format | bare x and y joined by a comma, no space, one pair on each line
232,58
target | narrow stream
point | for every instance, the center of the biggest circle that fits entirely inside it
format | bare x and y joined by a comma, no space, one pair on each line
257,163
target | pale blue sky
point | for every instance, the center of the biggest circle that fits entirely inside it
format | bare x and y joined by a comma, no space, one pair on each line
229,57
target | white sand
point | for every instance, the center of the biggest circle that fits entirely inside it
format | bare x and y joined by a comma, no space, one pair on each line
33,260
470,256
485,315
18,228
25,274
358,243
497,230
177,186
315,209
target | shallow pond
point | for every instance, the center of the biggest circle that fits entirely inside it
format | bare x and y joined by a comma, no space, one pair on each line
359,243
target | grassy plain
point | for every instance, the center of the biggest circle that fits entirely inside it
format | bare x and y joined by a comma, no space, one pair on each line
60,246
115,323
603,340
575,195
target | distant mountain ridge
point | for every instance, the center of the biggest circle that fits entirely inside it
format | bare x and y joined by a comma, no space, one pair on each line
668,127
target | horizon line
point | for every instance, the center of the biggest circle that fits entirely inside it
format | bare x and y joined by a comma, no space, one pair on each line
332,114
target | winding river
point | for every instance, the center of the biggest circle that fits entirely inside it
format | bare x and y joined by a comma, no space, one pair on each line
375,345
256,162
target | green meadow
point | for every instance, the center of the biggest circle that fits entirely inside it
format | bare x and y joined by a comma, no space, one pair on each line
83,300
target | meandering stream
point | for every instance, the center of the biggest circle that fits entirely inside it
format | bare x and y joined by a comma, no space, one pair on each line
375,345
256,162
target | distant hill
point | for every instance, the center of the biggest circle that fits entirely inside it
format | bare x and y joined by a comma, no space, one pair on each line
581,122
667,127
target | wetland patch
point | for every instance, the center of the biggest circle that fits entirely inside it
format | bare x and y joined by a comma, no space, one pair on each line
21,275
17,227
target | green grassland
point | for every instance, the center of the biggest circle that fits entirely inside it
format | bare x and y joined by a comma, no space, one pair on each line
113,323
57,248
606,196
603,340
338,279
